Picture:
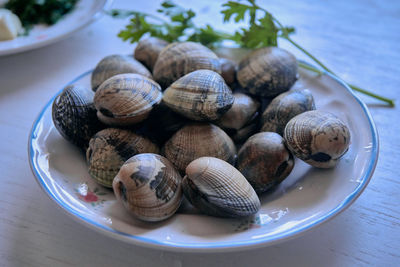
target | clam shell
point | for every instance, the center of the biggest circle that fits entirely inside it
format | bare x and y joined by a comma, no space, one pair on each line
242,112
74,115
228,70
200,95
265,161
198,140
149,187
148,49
116,64
267,71
284,107
317,137
126,99
178,59
216,188
110,148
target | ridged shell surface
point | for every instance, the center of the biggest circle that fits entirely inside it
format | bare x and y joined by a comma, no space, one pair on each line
199,140
218,189
149,187
148,49
116,64
201,95
284,107
178,59
267,71
110,148
265,161
317,137
74,115
126,99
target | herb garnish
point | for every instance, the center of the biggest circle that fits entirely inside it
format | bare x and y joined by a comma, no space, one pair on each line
263,30
32,12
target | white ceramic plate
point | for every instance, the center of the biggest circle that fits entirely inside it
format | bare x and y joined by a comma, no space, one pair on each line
307,198
85,12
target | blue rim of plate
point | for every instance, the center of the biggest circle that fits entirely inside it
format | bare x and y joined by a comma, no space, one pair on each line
203,247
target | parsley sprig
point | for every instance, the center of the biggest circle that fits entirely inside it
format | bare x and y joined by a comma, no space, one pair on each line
264,30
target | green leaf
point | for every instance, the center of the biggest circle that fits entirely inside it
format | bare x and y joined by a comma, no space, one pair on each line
237,10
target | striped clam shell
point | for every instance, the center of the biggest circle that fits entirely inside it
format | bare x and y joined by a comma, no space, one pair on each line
218,189
149,187
126,99
284,107
267,71
178,59
243,112
317,137
148,49
110,148
74,115
198,140
201,95
116,64
264,160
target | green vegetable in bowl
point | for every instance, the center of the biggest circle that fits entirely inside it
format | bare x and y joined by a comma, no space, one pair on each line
264,30
32,12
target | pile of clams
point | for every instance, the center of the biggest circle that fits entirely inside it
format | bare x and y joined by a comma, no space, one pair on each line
176,121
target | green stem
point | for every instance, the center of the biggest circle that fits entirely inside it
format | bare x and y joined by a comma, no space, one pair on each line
390,102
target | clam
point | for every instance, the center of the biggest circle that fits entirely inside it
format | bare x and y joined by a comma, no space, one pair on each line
110,148
216,188
284,107
267,71
317,137
228,70
265,161
148,49
149,187
178,59
198,140
74,115
200,95
126,99
242,114
116,64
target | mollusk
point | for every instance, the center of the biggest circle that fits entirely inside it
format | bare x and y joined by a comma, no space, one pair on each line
149,187
216,188
110,148
317,137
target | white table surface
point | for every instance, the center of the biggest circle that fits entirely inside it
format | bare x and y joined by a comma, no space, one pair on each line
360,41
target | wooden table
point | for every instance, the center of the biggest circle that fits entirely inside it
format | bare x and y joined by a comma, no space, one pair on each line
358,39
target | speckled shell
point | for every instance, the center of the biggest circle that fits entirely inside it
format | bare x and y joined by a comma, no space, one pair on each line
116,64
228,70
201,95
126,99
198,140
148,49
178,59
265,161
74,115
110,148
218,189
240,115
267,71
284,107
317,137
149,187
